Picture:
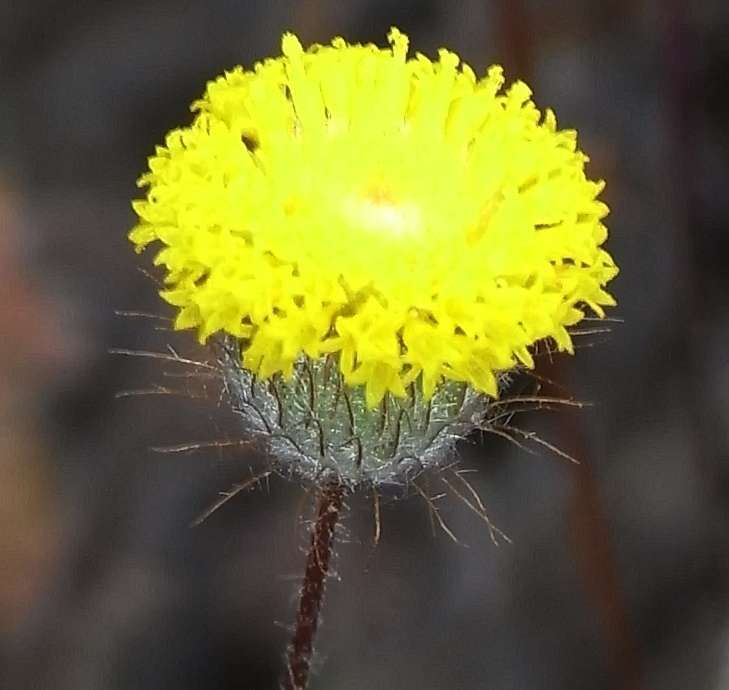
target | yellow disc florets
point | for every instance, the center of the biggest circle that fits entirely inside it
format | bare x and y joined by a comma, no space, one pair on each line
399,212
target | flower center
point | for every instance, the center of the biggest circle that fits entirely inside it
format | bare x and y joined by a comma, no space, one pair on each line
379,212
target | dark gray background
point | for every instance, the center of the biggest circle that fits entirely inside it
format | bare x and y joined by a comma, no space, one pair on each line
617,577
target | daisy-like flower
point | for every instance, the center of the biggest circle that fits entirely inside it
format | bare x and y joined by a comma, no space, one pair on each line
372,243
362,228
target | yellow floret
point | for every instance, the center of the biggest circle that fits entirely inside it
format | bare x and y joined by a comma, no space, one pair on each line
402,213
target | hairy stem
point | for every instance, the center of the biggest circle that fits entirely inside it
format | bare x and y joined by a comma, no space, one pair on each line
300,650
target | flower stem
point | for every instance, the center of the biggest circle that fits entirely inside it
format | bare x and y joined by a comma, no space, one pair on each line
312,589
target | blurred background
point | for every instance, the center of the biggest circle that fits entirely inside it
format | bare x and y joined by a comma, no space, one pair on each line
617,575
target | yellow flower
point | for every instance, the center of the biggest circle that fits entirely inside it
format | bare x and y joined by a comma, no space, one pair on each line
415,220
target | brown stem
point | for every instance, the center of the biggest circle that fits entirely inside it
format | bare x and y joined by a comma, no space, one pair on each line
300,650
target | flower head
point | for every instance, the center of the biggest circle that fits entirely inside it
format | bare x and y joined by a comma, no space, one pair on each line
415,223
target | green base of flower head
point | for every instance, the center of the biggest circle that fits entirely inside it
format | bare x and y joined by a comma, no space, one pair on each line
314,423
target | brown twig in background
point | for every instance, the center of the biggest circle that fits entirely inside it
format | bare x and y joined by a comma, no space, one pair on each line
301,649
514,29
600,574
